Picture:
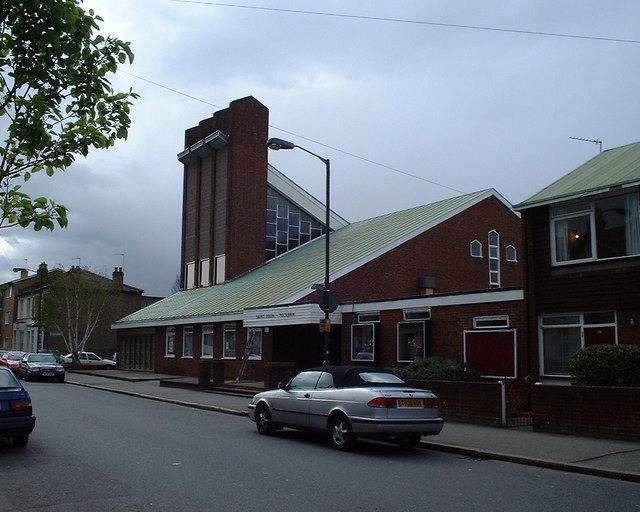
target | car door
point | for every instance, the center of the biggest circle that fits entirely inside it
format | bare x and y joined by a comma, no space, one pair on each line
321,401
290,407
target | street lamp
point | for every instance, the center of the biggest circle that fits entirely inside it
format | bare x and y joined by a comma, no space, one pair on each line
328,301
39,340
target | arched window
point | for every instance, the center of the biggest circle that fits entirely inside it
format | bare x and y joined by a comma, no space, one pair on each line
476,249
510,253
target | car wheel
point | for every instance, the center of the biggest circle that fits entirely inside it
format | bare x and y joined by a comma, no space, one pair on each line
20,441
408,442
340,433
264,423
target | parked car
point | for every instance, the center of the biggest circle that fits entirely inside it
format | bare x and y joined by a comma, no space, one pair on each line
348,402
12,360
91,359
40,366
16,413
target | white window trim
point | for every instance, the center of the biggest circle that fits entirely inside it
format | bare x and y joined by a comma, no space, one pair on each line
478,244
225,328
258,332
373,349
185,330
169,331
398,340
497,282
206,329
515,253
500,321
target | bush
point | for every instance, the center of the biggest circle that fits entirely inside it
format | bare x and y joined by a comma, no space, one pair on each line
606,365
436,368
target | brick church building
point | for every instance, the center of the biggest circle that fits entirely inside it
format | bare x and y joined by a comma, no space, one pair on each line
444,278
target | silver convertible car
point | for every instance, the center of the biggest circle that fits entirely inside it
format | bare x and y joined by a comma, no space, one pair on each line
349,402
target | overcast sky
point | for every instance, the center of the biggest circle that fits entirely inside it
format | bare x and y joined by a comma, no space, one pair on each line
441,98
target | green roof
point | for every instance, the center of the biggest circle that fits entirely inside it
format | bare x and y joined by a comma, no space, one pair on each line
615,167
289,277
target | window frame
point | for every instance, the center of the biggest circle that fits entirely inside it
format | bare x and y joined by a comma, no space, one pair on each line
513,257
187,342
207,330
572,321
493,254
170,342
372,351
419,345
475,244
228,328
587,208
255,355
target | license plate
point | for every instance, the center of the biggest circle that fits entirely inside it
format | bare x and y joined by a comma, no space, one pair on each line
410,403
47,374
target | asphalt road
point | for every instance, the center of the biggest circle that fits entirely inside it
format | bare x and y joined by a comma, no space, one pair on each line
99,451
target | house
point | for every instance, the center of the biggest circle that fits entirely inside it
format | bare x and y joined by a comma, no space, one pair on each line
582,246
23,329
444,278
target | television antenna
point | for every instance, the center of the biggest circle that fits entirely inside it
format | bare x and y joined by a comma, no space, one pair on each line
593,141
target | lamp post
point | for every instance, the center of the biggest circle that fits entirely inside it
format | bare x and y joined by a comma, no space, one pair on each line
39,341
328,300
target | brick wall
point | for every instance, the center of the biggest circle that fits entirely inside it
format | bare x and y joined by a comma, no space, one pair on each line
475,402
592,411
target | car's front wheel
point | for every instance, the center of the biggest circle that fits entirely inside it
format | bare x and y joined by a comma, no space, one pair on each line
264,423
341,434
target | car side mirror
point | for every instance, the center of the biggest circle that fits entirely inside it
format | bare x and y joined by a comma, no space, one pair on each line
283,385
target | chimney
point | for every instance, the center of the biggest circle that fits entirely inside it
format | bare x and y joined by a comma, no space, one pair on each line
43,271
118,277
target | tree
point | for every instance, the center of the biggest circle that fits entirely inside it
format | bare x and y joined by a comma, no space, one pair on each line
76,302
56,101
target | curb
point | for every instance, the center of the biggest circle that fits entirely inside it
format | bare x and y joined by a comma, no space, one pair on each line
528,461
194,405
428,445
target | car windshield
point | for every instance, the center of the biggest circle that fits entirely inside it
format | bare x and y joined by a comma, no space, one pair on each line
8,381
380,378
42,358
15,356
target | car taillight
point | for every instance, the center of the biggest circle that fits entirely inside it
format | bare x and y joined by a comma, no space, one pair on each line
432,402
21,405
382,401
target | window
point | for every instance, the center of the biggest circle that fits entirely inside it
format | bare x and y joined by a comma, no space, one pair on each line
410,341
417,314
287,225
494,259
7,317
220,269
563,335
362,342
490,322
476,249
372,316
254,337
190,275
205,279
229,341
170,342
187,342
305,380
8,291
207,341
511,254
599,229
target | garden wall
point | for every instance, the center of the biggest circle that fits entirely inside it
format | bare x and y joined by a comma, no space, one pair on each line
611,412
474,402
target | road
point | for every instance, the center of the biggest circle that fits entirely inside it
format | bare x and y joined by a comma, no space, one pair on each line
98,451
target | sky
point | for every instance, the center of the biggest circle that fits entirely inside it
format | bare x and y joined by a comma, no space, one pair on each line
413,101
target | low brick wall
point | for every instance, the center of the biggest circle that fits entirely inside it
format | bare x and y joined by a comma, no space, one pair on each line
590,411
473,402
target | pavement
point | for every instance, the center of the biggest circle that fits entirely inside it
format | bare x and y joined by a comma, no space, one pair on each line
592,456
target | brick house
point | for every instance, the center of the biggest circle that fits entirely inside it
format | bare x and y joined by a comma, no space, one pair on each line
582,245
440,279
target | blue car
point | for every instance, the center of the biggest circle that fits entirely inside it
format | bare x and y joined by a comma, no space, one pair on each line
16,414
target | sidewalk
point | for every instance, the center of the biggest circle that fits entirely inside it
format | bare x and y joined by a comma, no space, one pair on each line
599,457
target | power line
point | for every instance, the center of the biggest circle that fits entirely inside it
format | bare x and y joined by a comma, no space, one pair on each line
414,22
353,155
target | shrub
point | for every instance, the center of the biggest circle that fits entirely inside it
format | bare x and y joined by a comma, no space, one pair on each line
436,368
606,365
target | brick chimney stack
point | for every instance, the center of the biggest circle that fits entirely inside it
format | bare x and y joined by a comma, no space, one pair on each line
118,277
